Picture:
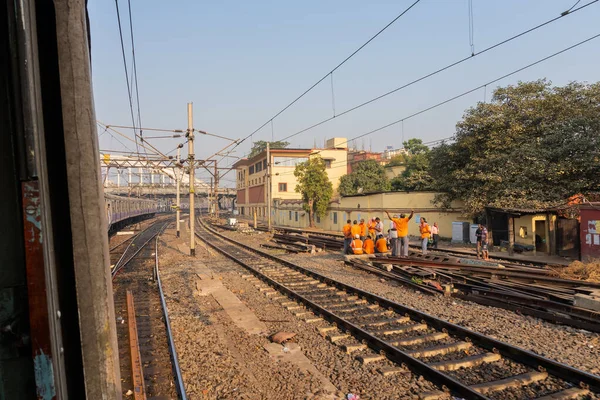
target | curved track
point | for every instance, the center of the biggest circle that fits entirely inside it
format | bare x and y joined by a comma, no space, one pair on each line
460,361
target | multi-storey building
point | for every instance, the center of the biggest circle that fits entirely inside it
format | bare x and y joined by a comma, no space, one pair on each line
252,180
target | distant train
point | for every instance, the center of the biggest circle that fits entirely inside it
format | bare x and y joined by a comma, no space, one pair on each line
119,209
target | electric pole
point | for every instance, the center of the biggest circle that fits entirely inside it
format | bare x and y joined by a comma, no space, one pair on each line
192,178
269,186
178,204
216,192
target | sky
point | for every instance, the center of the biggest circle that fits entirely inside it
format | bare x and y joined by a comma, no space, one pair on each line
241,62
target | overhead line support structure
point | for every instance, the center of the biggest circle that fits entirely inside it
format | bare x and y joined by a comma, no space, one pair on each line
190,137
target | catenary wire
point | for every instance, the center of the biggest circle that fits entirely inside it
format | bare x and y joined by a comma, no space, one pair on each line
137,93
331,71
468,91
126,73
435,72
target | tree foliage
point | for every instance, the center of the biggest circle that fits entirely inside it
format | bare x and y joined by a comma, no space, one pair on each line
261,145
416,176
315,187
367,175
533,145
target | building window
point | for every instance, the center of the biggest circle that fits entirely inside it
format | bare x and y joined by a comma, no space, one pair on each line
318,219
258,167
335,217
265,164
296,216
251,170
327,163
290,216
288,161
283,187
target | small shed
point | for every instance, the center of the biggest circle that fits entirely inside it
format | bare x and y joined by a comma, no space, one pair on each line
589,229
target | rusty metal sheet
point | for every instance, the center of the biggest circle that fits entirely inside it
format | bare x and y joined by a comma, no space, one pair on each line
36,287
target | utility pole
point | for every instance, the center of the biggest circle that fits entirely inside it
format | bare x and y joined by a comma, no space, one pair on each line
216,192
192,178
178,204
269,186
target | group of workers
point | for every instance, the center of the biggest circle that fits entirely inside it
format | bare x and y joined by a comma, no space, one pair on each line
363,238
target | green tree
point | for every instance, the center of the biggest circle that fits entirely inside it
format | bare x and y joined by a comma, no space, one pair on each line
261,146
367,176
315,187
416,176
533,146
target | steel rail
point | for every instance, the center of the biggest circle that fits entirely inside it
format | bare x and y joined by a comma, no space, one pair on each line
121,264
557,369
374,342
174,359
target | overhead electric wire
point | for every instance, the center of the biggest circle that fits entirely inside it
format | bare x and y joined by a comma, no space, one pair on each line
126,73
137,93
455,63
332,71
463,93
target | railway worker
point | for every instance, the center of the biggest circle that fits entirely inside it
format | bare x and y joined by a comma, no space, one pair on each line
425,234
381,245
363,229
371,227
484,243
369,245
435,232
378,228
393,235
356,247
401,226
355,228
347,230
478,237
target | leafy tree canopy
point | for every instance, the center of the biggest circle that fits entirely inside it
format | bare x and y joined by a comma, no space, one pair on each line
261,145
315,187
533,145
368,175
416,175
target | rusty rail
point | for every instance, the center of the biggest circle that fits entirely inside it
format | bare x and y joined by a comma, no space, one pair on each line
137,374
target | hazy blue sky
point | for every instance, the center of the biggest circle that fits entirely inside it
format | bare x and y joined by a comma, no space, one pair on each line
241,62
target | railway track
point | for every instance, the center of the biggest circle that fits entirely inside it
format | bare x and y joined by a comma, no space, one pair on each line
396,338
149,364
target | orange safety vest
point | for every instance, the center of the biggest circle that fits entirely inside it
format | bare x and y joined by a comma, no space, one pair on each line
369,246
347,229
355,230
381,245
357,246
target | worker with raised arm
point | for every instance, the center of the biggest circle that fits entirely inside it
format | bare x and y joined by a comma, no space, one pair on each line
347,230
401,226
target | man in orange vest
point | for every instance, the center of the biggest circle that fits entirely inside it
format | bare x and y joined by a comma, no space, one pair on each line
381,245
363,230
369,245
401,226
355,229
425,233
347,230
356,245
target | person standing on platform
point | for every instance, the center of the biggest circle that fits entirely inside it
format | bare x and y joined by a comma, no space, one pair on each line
425,233
355,229
435,232
401,225
484,243
347,230
378,228
363,229
478,237
369,245
371,226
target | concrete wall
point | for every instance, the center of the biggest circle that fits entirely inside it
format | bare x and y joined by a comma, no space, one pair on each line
368,206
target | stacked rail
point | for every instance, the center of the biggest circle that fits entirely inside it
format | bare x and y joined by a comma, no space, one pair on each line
378,331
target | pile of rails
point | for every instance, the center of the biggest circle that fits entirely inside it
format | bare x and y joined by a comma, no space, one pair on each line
296,242
529,290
